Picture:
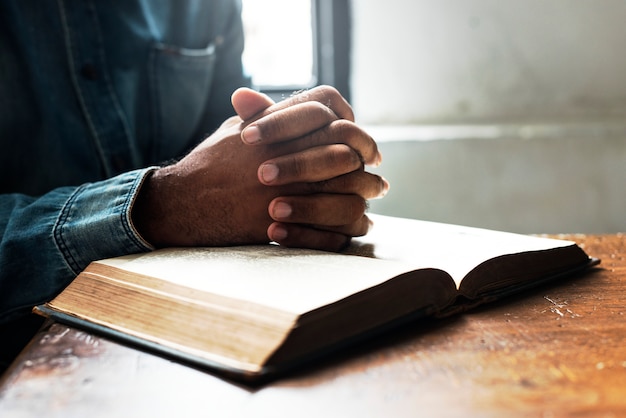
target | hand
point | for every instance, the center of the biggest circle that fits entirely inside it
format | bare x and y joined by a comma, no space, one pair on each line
308,117
213,196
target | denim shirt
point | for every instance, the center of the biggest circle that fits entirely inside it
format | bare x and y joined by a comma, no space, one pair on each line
92,94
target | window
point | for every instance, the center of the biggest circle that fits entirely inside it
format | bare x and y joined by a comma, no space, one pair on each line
296,44
279,42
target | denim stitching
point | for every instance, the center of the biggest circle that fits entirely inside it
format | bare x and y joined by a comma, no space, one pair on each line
57,231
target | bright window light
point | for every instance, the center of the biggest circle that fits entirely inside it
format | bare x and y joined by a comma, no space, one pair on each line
279,43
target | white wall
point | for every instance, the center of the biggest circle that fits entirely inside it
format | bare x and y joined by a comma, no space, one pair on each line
449,60
512,114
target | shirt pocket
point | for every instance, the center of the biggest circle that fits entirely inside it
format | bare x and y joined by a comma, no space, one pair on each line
180,80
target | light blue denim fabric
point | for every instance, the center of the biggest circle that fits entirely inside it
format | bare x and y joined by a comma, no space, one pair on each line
91,93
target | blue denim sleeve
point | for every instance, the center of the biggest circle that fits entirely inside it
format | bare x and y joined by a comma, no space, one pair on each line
47,241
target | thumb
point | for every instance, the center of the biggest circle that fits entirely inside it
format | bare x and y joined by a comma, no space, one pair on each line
248,103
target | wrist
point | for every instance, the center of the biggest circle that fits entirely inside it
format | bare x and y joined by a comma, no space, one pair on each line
146,214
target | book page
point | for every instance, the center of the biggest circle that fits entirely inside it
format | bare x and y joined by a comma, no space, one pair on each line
297,280
452,248
292,280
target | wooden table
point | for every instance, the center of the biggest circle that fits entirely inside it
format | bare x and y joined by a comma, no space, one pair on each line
556,351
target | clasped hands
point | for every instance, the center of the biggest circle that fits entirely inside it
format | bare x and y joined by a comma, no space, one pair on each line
290,172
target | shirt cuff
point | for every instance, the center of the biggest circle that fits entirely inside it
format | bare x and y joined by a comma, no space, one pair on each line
95,222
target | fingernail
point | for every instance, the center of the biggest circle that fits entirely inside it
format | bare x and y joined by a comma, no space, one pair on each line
379,160
281,210
251,135
278,233
385,186
268,172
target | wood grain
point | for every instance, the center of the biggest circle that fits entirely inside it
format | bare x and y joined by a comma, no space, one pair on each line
555,351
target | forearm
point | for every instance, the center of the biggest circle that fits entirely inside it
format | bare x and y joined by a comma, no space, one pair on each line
47,240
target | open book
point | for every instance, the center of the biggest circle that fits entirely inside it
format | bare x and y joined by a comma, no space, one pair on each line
254,310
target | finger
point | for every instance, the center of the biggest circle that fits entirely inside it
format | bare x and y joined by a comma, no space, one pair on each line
355,229
329,97
311,165
300,236
337,132
248,102
318,209
289,123
359,182
326,95
345,132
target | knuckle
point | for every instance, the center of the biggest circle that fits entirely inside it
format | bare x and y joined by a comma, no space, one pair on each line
344,128
332,98
292,169
327,91
348,131
274,126
350,183
357,208
343,156
299,167
317,113
361,227
315,106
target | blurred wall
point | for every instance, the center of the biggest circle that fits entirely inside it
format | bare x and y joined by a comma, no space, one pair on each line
493,113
